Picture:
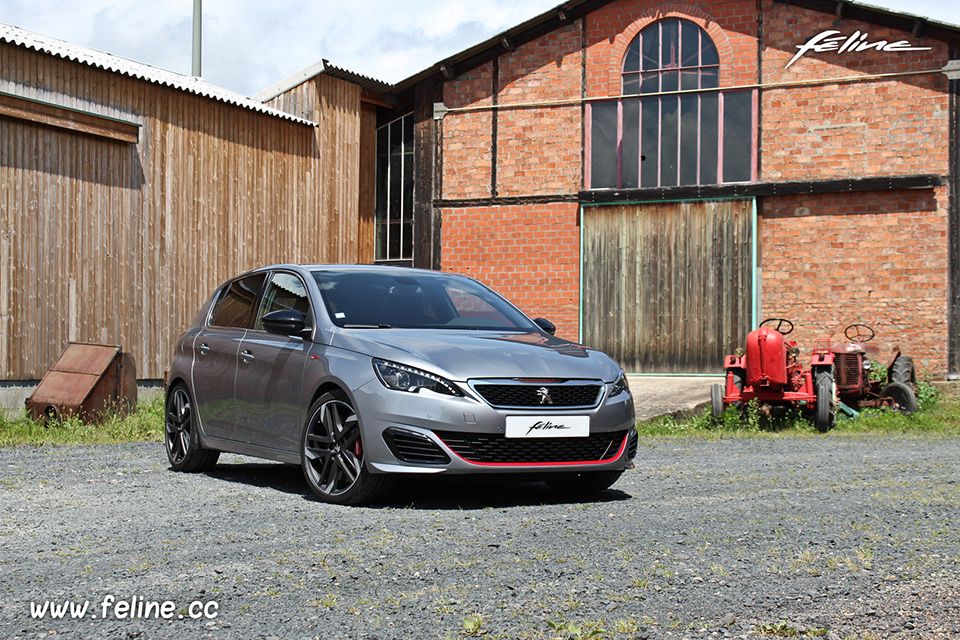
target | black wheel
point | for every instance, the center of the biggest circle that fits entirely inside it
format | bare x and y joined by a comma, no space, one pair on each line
825,412
716,400
182,436
584,482
902,371
738,376
902,394
331,453
859,333
781,325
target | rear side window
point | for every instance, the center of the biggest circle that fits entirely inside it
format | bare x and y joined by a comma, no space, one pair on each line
285,291
235,307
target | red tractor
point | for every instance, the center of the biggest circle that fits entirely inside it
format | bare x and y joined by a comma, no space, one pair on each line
852,362
770,373
839,375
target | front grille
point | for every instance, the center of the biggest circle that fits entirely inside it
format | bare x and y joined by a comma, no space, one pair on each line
496,448
414,447
531,395
847,370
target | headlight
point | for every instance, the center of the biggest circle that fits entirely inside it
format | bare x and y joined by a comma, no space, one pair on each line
619,386
403,378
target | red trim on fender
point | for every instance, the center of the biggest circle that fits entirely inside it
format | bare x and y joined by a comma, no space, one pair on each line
623,446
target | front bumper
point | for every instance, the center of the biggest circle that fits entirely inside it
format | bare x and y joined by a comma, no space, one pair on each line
429,433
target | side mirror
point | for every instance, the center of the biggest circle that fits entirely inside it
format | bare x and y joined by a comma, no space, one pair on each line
284,322
546,325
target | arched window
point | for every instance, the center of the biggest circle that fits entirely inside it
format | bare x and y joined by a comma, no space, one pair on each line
671,55
672,126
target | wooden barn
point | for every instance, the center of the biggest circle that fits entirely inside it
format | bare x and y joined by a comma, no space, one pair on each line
128,192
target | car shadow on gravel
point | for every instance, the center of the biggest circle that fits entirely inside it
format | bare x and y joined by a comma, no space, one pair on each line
287,478
468,492
452,492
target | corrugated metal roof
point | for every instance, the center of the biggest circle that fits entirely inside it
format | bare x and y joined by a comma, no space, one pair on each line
365,82
109,62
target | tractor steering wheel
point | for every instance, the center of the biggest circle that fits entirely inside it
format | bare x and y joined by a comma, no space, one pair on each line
781,323
859,333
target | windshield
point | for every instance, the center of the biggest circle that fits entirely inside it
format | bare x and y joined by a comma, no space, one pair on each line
414,300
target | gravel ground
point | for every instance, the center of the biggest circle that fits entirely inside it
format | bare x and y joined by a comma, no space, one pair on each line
817,536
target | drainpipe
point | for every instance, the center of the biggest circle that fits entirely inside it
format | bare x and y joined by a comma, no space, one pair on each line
952,71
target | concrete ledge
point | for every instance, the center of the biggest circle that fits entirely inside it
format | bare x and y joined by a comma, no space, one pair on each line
14,394
949,388
669,395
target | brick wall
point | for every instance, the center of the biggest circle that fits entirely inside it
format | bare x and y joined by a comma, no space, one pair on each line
467,137
889,127
877,258
538,149
827,260
530,254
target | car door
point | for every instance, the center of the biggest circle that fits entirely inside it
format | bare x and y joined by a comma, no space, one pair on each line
269,386
216,353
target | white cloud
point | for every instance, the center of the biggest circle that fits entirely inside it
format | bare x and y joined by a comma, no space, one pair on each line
250,44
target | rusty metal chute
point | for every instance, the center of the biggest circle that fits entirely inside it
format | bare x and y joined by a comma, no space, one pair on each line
86,381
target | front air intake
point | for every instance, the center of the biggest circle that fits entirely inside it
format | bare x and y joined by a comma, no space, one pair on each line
414,447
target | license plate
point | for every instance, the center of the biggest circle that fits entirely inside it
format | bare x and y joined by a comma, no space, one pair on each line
548,426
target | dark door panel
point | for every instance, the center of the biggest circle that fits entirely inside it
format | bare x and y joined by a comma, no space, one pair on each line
214,373
268,390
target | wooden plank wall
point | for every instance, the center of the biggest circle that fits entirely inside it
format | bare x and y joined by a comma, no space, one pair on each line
666,287
368,183
335,103
110,242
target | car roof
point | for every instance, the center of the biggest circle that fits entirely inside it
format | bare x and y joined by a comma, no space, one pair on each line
352,267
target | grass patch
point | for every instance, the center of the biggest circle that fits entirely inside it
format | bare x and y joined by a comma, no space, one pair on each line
144,425
936,416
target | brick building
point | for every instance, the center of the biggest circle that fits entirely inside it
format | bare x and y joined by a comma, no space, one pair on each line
657,178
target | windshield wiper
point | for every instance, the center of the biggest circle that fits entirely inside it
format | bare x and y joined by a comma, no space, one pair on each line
367,326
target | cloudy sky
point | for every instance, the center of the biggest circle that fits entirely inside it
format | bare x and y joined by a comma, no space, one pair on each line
250,44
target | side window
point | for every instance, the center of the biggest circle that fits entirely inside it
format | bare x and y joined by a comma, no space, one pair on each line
235,307
285,291
394,212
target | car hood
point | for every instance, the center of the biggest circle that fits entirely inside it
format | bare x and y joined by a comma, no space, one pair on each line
466,354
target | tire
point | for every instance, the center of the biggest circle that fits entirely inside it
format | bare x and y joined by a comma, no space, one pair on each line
182,435
739,376
825,412
716,401
902,394
584,482
331,454
902,371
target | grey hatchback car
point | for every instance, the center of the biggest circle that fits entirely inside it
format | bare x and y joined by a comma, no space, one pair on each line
362,373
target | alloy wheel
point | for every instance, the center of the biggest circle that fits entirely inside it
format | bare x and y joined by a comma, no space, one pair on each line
332,448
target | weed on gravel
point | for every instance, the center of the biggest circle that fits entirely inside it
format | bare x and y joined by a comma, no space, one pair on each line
937,416
143,425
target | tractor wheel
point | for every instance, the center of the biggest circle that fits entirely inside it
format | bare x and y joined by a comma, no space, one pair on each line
739,376
825,413
902,394
902,371
716,400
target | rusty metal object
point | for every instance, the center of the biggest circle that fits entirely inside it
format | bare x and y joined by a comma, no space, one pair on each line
86,381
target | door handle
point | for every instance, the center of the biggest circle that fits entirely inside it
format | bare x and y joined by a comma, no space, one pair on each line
204,348
246,356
